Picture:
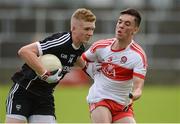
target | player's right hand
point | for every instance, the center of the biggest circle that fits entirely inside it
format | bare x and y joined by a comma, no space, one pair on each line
130,102
52,76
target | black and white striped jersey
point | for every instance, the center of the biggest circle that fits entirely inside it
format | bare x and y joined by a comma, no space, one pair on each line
59,44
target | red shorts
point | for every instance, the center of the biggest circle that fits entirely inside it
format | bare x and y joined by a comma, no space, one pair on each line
115,108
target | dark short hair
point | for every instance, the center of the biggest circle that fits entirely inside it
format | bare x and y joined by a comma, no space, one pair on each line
134,13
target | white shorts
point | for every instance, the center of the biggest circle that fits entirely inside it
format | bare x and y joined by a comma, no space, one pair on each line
34,118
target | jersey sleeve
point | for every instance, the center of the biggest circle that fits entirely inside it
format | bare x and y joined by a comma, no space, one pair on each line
52,43
140,68
89,55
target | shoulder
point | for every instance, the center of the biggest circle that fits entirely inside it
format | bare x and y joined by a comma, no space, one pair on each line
101,44
137,49
58,37
55,41
62,34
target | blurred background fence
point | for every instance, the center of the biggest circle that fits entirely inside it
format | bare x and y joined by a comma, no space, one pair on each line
24,21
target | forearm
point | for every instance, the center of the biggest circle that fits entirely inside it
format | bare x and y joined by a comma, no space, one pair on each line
137,88
80,63
31,59
137,93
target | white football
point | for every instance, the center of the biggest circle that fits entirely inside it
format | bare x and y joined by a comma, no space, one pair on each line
50,62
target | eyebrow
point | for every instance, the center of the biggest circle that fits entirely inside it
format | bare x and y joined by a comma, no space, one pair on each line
124,20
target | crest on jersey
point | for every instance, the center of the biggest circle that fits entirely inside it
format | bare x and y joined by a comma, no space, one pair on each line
18,107
123,59
110,59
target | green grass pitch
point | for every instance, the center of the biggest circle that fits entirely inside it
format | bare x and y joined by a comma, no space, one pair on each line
157,105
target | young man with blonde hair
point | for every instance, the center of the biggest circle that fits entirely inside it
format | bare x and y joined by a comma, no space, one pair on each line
31,98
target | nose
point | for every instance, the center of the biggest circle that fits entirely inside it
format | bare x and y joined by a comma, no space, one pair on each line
90,32
121,25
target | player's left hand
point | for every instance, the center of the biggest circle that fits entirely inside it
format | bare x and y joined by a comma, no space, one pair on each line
98,66
92,68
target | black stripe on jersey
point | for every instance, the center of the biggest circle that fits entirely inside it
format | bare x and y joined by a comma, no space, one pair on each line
55,42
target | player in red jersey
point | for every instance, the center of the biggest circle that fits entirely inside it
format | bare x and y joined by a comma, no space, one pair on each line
121,77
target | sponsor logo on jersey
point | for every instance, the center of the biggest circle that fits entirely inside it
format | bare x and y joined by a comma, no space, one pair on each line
64,56
71,58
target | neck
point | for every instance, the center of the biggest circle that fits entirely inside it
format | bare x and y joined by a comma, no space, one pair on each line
75,42
121,44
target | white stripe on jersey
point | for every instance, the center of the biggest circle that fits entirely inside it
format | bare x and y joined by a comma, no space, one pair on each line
141,52
39,48
55,42
31,82
10,98
101,44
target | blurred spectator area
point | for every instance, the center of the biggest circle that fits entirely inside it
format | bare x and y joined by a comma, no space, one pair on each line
25,21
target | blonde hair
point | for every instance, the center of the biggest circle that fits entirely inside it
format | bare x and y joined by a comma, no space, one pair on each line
84,14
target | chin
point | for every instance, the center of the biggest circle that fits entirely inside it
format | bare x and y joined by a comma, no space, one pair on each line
86,41
120,38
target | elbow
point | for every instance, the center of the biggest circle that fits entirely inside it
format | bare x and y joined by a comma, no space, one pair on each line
21,52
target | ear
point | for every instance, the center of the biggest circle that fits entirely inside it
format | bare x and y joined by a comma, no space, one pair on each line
72,28
136,30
